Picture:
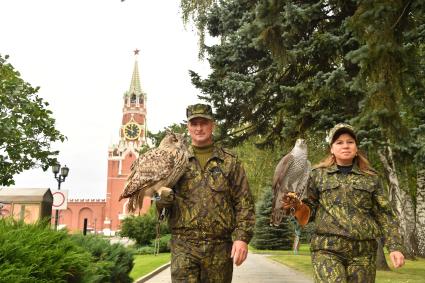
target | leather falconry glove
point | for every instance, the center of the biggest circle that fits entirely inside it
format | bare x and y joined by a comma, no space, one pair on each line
292,205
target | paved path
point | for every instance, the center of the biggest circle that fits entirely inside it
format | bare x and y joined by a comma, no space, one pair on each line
256,269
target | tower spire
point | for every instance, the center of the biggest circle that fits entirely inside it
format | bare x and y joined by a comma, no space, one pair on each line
135,87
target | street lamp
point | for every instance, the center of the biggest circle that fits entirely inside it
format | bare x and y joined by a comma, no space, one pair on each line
60,178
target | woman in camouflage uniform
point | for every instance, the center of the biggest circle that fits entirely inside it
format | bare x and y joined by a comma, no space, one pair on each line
351,210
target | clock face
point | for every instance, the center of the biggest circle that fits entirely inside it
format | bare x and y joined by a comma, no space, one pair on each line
132,131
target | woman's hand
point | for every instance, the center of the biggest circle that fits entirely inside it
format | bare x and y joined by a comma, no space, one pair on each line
397,259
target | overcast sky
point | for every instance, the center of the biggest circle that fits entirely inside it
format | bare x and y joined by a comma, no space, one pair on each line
80,52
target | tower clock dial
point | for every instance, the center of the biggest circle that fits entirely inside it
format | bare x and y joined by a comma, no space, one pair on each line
132,131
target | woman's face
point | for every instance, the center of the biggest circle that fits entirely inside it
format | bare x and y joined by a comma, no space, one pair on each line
344,149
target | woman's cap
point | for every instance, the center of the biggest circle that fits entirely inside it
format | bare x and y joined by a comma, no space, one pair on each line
339,129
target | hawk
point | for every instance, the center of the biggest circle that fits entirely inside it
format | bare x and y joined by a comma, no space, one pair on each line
290,177
158,167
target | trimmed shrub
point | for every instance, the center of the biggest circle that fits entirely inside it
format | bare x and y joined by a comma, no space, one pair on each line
164,246
146,250
113,262
35,253
142,229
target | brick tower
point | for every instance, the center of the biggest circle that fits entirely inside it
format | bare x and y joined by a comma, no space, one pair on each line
132,135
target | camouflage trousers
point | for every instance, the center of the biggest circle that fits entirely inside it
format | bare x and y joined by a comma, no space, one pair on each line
201,261
339,259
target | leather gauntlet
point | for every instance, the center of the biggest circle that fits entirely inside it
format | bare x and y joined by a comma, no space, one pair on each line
292,205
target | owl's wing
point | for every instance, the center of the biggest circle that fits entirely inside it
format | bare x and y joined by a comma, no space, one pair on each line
280,187
147,173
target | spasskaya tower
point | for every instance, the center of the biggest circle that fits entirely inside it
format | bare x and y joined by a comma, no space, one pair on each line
132,135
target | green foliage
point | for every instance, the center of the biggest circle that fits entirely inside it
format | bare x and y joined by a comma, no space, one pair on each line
175,128
288,69
164,243
35,253
196,11
267,237
112,262
164,246
27,128
142,229
139,228
259,165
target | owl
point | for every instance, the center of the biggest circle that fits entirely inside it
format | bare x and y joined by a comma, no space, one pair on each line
290,177
158,167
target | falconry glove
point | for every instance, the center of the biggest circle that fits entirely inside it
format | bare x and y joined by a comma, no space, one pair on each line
292,205
165,197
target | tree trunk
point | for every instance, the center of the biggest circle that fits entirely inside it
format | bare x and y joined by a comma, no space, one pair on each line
402,202
420,212
381,261
410,242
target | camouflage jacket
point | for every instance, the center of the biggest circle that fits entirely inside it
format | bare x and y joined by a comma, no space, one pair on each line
214,203
352,205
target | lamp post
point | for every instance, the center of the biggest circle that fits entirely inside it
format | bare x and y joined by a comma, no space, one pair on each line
60,178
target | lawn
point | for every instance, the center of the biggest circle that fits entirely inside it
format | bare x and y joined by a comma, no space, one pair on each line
144,264
412,272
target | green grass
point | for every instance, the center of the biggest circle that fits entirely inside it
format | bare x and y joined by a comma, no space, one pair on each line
412,272
144,264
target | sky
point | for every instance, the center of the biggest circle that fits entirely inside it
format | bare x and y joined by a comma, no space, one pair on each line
80,54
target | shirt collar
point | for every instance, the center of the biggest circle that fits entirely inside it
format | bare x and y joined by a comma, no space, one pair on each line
217,153
334,169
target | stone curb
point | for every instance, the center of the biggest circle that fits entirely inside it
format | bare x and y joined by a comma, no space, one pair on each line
152,274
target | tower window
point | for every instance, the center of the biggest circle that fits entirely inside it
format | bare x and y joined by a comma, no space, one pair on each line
133,99
141,100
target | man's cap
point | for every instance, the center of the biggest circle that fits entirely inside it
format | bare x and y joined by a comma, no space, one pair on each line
199,110
339,129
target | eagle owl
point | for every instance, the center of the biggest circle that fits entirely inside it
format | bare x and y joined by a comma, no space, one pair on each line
291,176
158,167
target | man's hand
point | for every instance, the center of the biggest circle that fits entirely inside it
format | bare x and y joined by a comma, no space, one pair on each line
397,259
166,197
239,252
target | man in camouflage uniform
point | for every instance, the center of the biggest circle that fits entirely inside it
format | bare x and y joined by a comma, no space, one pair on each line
351,210
211,210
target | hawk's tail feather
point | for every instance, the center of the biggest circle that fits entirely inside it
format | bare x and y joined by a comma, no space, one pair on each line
276,217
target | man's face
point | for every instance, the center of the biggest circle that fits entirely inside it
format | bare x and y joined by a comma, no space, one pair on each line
200,130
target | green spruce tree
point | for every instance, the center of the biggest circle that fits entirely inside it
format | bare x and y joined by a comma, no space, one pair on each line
268,237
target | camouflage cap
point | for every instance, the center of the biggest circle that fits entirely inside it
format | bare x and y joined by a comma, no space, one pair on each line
199,110
340,128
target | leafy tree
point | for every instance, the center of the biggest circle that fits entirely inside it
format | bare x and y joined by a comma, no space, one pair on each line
197,11
259,165
267,237
27,128
142,229
175,128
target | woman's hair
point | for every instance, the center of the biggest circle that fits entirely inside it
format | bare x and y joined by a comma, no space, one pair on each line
360,159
